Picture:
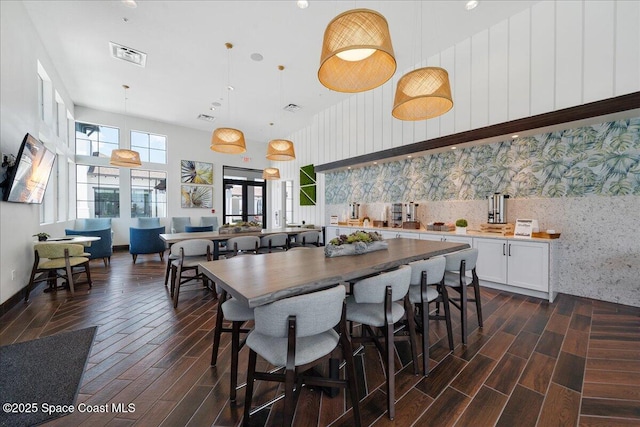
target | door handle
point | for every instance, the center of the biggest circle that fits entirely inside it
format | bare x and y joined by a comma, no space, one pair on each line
504,249
509,249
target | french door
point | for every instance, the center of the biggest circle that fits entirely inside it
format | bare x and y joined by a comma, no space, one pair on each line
244,201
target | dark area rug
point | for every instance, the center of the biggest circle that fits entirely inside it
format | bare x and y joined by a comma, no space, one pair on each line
37,377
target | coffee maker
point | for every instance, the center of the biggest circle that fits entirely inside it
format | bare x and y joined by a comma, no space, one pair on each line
497,209
354,210
411,216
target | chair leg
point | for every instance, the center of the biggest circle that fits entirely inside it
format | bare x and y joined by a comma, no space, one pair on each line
350,371
87,270
172,288
289,400
104,259
31,278
161,256
391,377
166,275
135,257
176,282
70,279
447,315
248,397
424,314
411,324
218,330
235,349
476,291
463,313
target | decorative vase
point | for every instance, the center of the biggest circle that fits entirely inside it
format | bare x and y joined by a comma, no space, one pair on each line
461,230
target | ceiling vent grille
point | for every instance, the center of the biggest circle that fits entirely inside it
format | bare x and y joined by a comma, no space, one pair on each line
206,117
292,108
128,54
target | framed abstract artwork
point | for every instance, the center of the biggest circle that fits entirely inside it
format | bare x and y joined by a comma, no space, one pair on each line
192,172
196,196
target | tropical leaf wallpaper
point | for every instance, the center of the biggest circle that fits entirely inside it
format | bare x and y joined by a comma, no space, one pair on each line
602,159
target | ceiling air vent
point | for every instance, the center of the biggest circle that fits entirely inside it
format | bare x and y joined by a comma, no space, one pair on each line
127,54
206,117
292,108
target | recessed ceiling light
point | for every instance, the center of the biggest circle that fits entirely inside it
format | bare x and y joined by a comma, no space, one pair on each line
515,136
302,4
230,87
212,108
257,57
472,4
130,3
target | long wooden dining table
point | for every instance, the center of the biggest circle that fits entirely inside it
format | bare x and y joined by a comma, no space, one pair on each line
216,237
262,279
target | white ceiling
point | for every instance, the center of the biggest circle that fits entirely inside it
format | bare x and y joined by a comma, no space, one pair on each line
187,64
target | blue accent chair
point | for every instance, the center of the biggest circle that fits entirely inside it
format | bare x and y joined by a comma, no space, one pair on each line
210,220
96,227
145,239
196,228
178,223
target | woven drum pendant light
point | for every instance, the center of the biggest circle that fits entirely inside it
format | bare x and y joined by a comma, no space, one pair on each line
121,156
280,150
271,173
422,94
357,54
228,140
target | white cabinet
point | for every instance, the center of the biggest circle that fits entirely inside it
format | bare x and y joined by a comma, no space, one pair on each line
409,235
518,263
447,238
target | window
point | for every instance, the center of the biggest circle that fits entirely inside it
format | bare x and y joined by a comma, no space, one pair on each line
148,193
97,192
152,148
96,140
41,96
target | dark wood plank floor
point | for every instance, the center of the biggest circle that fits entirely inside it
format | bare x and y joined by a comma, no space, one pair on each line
573,362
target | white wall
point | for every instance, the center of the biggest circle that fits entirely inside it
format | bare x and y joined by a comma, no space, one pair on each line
20,51
551,56
182,144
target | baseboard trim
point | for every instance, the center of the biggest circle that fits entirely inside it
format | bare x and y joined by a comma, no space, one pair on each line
18,297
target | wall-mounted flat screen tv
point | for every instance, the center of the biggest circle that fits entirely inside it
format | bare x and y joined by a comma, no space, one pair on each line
28,180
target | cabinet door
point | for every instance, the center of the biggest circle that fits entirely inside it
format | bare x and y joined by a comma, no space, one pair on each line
332,232
409,235
492,259
528,265
459,239
389,234
434,237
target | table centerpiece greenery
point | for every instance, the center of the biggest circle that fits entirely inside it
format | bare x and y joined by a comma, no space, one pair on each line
240,227
356,243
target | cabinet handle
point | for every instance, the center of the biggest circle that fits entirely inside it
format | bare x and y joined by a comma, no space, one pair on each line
504,249
443,239
509,249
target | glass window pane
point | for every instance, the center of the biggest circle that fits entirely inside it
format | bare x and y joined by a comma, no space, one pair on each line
148,193
158,142
109,134
83,147
156,156
139,139
97,192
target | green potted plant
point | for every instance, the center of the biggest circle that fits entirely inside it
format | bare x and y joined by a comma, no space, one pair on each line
42,237
461,226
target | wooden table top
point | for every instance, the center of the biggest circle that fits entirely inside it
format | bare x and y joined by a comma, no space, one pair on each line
83,240
261,279
214,235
